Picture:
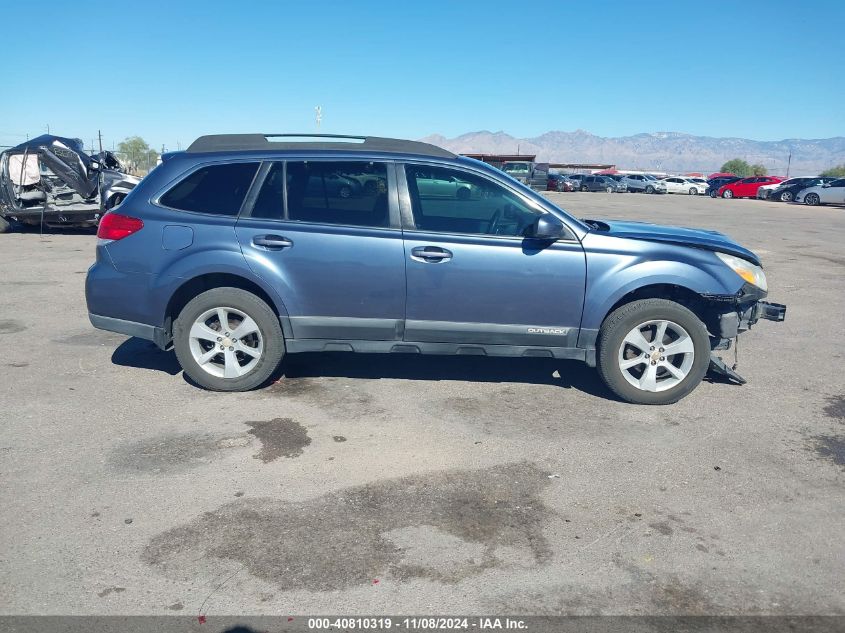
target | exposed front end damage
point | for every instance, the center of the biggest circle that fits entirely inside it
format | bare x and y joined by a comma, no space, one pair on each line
51,181
728,316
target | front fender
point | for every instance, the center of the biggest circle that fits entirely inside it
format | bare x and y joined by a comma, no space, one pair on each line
617,267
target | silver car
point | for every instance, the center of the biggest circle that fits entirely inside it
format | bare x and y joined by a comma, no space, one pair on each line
644,183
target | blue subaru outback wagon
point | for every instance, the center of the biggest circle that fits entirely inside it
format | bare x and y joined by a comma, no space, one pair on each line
247,247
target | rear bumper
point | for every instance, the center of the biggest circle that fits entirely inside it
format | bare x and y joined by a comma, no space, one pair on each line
131,328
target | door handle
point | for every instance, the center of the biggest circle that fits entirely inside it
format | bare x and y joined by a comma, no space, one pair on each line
271,242
430,254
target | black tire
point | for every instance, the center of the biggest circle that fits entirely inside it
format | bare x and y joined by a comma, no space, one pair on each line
787,196
584,188
249,304
693,191
463,193
621,321
812,199
5,225
728,194
608,189
345,191
649,189
714,193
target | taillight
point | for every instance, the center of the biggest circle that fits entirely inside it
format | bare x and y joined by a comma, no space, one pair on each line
114,226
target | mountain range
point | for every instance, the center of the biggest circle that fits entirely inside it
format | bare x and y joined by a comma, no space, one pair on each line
657,151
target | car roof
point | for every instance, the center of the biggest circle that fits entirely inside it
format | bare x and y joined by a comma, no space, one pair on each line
224,143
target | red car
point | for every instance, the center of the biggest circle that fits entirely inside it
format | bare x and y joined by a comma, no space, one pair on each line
557,182
747,187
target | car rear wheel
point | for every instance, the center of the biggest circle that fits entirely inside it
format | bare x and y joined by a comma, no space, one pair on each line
787,196
812,199
653,351
649,189
728,194
227,339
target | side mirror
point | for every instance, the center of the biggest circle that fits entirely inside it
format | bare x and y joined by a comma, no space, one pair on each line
547,227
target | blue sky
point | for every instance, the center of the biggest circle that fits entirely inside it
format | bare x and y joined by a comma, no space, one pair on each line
170,71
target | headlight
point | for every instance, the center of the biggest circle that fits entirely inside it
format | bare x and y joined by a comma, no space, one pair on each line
745,269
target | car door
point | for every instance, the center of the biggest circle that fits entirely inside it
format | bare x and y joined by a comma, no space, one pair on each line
336,261
672,185
746,188
834,193
472,278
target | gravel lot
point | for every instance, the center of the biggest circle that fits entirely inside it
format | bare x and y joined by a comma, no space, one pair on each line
399,484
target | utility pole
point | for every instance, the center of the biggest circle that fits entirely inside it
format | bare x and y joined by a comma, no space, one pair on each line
788,164
100,137
318,111
48,128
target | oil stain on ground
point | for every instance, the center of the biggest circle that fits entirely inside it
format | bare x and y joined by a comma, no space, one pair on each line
835,408
11,326
281,437
341,397
173,452
830,447
444,526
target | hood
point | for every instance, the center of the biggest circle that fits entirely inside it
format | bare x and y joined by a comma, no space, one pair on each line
694,238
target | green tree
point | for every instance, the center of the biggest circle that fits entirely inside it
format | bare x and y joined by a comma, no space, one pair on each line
834,172
135,151
757,170
738,167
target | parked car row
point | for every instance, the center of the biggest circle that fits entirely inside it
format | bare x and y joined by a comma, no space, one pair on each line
811,191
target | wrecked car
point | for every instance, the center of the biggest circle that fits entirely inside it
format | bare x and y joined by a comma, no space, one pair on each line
239,251
51,181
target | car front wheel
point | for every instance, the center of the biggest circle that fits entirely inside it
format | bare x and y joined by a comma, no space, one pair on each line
786,196
652,351
728,194
228,339
693,191
812,199
649,189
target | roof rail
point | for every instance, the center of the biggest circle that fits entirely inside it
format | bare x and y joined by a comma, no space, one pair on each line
247,142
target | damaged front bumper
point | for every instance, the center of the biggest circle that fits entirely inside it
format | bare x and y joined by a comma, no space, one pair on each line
747,309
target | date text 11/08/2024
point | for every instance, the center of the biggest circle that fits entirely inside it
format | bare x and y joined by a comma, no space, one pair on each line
417,624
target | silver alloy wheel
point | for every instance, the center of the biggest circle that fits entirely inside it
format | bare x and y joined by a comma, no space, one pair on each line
656,355
812,199
693,191
728,194
226,342
786,196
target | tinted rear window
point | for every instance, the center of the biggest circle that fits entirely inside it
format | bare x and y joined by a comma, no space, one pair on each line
216,189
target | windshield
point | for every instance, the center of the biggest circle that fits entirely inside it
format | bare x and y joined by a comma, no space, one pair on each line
516,168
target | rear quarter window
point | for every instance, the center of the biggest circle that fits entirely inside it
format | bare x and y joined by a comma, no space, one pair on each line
215,189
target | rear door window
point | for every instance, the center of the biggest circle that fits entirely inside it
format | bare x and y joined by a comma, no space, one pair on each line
215,189
343,192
